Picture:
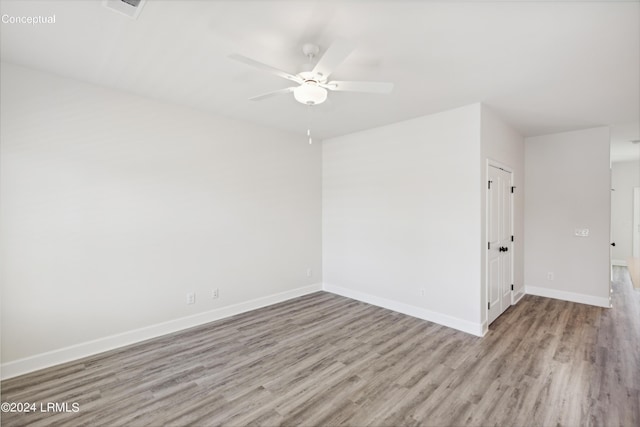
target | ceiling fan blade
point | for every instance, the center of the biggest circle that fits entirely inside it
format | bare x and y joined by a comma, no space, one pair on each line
337,52
369,87
270,94
265,67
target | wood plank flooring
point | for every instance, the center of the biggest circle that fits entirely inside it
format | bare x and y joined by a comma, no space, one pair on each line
634,271
325,360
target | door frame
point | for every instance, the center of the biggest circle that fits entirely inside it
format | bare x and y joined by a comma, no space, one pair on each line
494,163
635,237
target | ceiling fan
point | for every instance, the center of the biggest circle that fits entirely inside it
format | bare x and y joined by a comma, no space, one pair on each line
313,83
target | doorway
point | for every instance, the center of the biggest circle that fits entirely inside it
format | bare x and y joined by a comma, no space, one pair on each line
499,241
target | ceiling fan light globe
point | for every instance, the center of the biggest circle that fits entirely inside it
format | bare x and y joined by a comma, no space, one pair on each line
310,94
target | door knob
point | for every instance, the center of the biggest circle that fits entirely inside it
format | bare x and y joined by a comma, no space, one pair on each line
613,244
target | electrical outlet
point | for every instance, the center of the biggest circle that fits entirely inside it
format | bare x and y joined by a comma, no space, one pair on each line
581,232
215,293
191,298
550,275
309,272
423,292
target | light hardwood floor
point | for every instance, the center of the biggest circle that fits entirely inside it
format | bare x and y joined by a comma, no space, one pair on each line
326,360
634,271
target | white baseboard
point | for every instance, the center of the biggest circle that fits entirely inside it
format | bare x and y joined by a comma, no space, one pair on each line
442,319
568,296
520,293
89,348
620,262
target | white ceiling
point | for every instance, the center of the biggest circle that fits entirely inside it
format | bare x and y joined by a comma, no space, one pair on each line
543,66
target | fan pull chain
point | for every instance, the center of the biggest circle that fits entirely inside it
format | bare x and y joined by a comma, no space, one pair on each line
309,125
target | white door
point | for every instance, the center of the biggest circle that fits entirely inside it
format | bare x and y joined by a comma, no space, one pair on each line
499,239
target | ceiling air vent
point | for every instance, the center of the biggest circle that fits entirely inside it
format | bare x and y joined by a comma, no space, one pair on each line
130,8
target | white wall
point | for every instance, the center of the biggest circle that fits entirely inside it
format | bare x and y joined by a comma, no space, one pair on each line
400,215
502,144
114,207
624,177
567,186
